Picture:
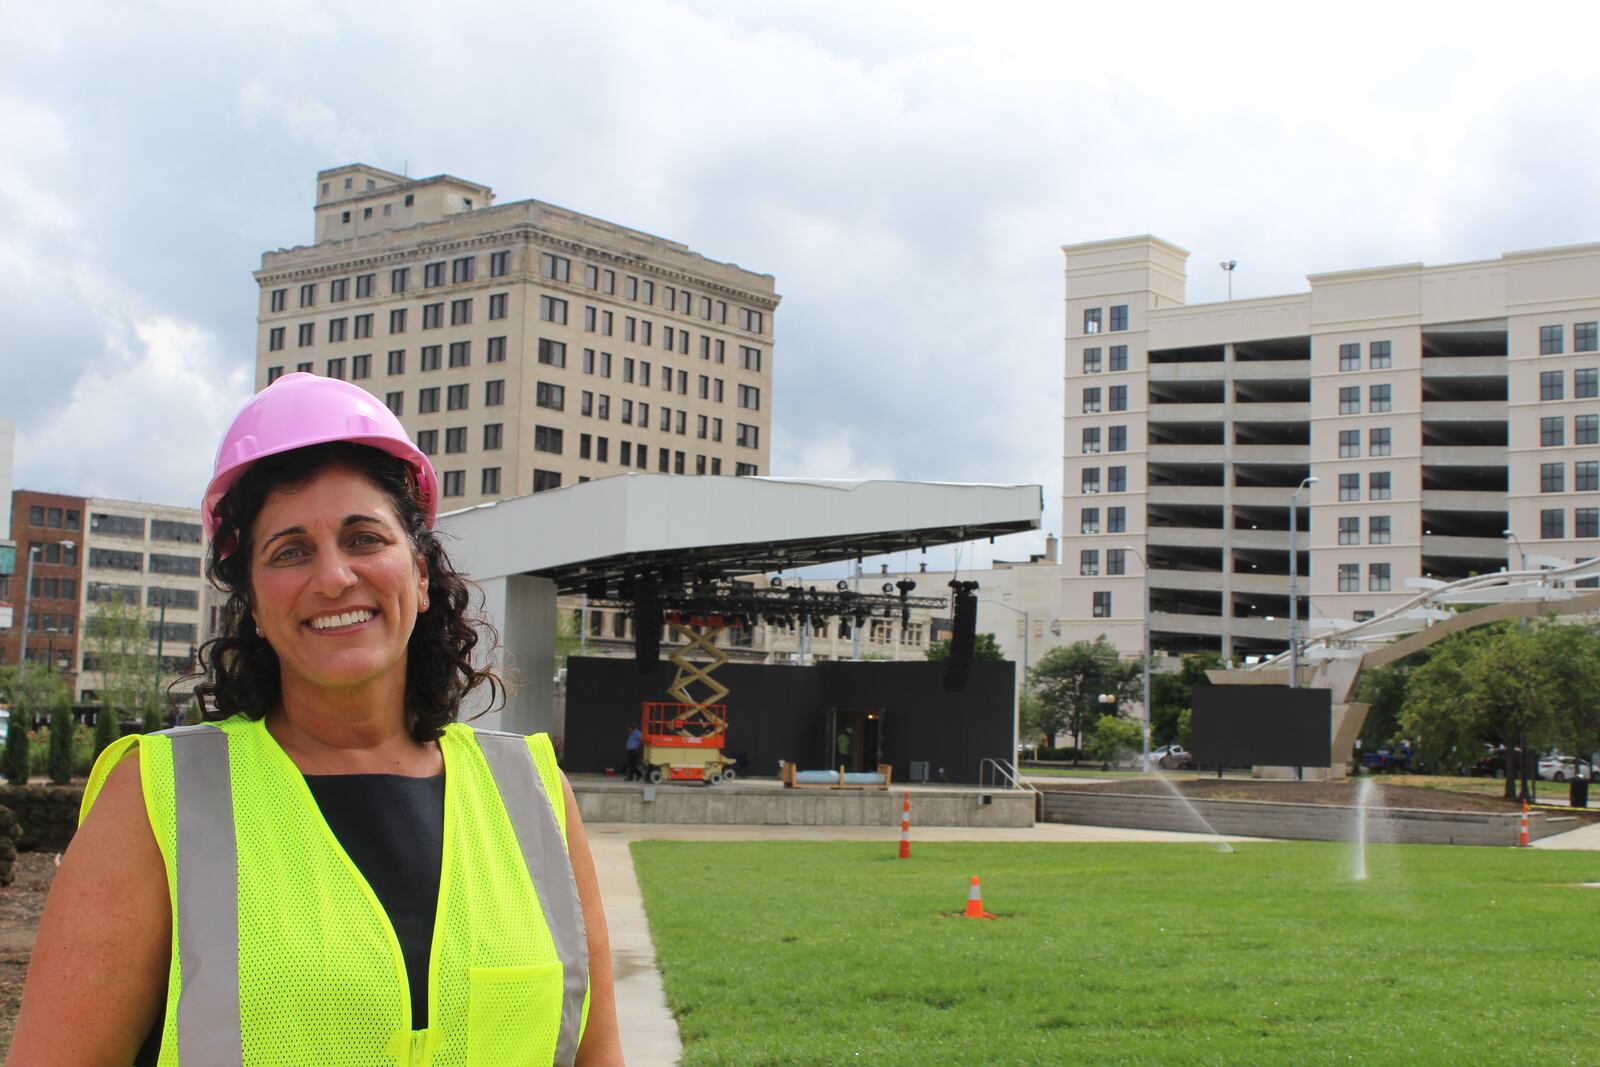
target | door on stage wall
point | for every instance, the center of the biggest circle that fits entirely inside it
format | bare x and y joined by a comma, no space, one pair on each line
854,738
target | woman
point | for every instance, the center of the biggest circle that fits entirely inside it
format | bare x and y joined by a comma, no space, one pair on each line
332,871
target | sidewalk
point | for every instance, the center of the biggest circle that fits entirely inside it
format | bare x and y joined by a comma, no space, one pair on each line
649,1032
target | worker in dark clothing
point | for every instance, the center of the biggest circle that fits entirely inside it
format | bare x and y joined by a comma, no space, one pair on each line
635,771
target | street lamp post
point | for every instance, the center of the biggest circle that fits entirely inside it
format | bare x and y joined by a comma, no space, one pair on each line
1522,553
1016,714
1144,756
1294,587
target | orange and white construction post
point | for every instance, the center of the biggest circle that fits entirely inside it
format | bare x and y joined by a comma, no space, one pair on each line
1522,832
905,827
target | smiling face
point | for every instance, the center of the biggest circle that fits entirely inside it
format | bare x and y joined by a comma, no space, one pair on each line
335,585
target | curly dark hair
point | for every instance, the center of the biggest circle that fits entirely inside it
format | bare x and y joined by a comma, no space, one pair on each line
240,669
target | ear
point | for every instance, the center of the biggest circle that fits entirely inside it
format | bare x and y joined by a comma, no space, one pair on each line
422,584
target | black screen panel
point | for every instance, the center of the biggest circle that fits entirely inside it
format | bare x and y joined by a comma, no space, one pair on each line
1271,725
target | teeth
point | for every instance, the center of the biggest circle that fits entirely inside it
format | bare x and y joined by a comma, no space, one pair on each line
349,618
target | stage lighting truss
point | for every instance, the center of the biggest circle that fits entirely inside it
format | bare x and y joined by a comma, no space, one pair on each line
783,603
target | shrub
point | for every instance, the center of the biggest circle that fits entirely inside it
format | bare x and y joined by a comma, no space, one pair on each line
15,761
105,728
61,737
48,815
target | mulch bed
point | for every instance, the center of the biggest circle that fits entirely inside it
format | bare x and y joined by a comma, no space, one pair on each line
21,903
1279,792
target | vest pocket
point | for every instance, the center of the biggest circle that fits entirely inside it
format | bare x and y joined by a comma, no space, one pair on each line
513,1014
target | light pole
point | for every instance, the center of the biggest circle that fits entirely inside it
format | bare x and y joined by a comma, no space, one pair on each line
1227,266
1144,756
1016,714
1294,587
1522,554
27,594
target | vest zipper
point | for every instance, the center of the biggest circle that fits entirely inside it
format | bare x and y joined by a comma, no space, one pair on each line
419,1048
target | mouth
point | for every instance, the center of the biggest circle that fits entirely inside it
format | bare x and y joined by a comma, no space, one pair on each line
342,622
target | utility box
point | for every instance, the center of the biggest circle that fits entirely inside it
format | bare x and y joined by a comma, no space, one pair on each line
919,771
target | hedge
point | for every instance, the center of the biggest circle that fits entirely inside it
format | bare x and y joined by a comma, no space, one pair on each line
47,814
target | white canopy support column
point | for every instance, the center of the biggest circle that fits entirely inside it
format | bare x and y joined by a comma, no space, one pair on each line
523,610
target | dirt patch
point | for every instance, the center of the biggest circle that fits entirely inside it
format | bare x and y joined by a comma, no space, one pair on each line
21,903
1337,793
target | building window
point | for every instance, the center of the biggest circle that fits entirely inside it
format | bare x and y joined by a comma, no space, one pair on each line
1550,342
1378,578
1119,317
275,339
455,483
552,353
1586,383
307,334
427,401
497,305
1091,400
552,309
1091,361
1379,355
543,480
1102,605
1350,357
456,398
1089,520
338,290
395,402
494,392
1552,477
1118,439
461,312
1091,480
399,279
397,320
556,268
1552,431
1349,531
1350,400
336,368
1349,487
1349,577
1550,385
336,329
1089,563
455,439
280,300
549,395
491,481
1117,520
428,442
493,432
1091,439
1119,398
549,439
499,264
1586,476
303,368
1586,429
1378,398
363,326
365,285
397,361
1552,524
1378,485
749,396
1379,442
1349,444
308,295
1116,479
749,319
1584,337
460,353
431,355
1119,357
1586,522
273,374
464,269
1116,561
1378,530
432,316
432,275
1091,320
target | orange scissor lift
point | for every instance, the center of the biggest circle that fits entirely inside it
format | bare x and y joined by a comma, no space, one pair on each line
683,739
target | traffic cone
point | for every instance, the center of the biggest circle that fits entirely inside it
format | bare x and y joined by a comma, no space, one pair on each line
1522,833
975,902
905,828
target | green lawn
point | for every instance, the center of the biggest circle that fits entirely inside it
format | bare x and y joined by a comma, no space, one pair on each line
778,953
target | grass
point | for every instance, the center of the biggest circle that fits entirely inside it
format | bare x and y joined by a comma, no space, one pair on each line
1088,770
779,953
1556,792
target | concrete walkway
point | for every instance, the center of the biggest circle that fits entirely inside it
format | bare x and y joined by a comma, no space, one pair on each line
1587,837
649,1032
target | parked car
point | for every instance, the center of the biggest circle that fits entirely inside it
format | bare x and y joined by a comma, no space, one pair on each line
1171,757
1555,767
1493,764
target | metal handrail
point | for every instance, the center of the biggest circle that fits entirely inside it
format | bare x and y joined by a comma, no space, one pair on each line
1004,771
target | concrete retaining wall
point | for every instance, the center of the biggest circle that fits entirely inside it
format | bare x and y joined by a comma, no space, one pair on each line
1313,822
758,806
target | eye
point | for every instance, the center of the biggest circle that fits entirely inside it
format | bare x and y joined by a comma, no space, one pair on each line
366,539
287,554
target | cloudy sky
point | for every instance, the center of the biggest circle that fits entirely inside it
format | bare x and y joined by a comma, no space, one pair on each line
907,170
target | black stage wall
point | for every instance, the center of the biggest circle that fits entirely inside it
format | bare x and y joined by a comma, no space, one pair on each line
1269,725
782,712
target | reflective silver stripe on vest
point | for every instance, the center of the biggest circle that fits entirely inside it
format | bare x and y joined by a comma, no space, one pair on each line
545,852
209,1031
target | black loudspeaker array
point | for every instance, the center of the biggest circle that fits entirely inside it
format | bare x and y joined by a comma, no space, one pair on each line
964,605
646,625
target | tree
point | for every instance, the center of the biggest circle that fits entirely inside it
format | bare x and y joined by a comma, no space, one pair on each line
1385,690
1172,694
28,688
106,728
984,646
15,760
1114,737
568,640
117,639
1033,727
1070,681
61,737
1571,655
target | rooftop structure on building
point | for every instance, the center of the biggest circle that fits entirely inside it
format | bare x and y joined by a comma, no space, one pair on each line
1435,407
524,346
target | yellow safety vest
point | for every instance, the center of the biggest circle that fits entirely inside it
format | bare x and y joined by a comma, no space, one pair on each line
283,957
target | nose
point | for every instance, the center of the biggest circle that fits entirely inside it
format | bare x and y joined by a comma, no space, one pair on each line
333,574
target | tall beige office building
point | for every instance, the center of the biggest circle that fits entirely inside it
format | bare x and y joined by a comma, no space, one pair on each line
524,346
1435,407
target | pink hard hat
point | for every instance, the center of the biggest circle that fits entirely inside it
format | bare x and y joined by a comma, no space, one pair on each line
299,410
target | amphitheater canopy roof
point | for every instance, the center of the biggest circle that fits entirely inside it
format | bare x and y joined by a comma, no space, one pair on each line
599,533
